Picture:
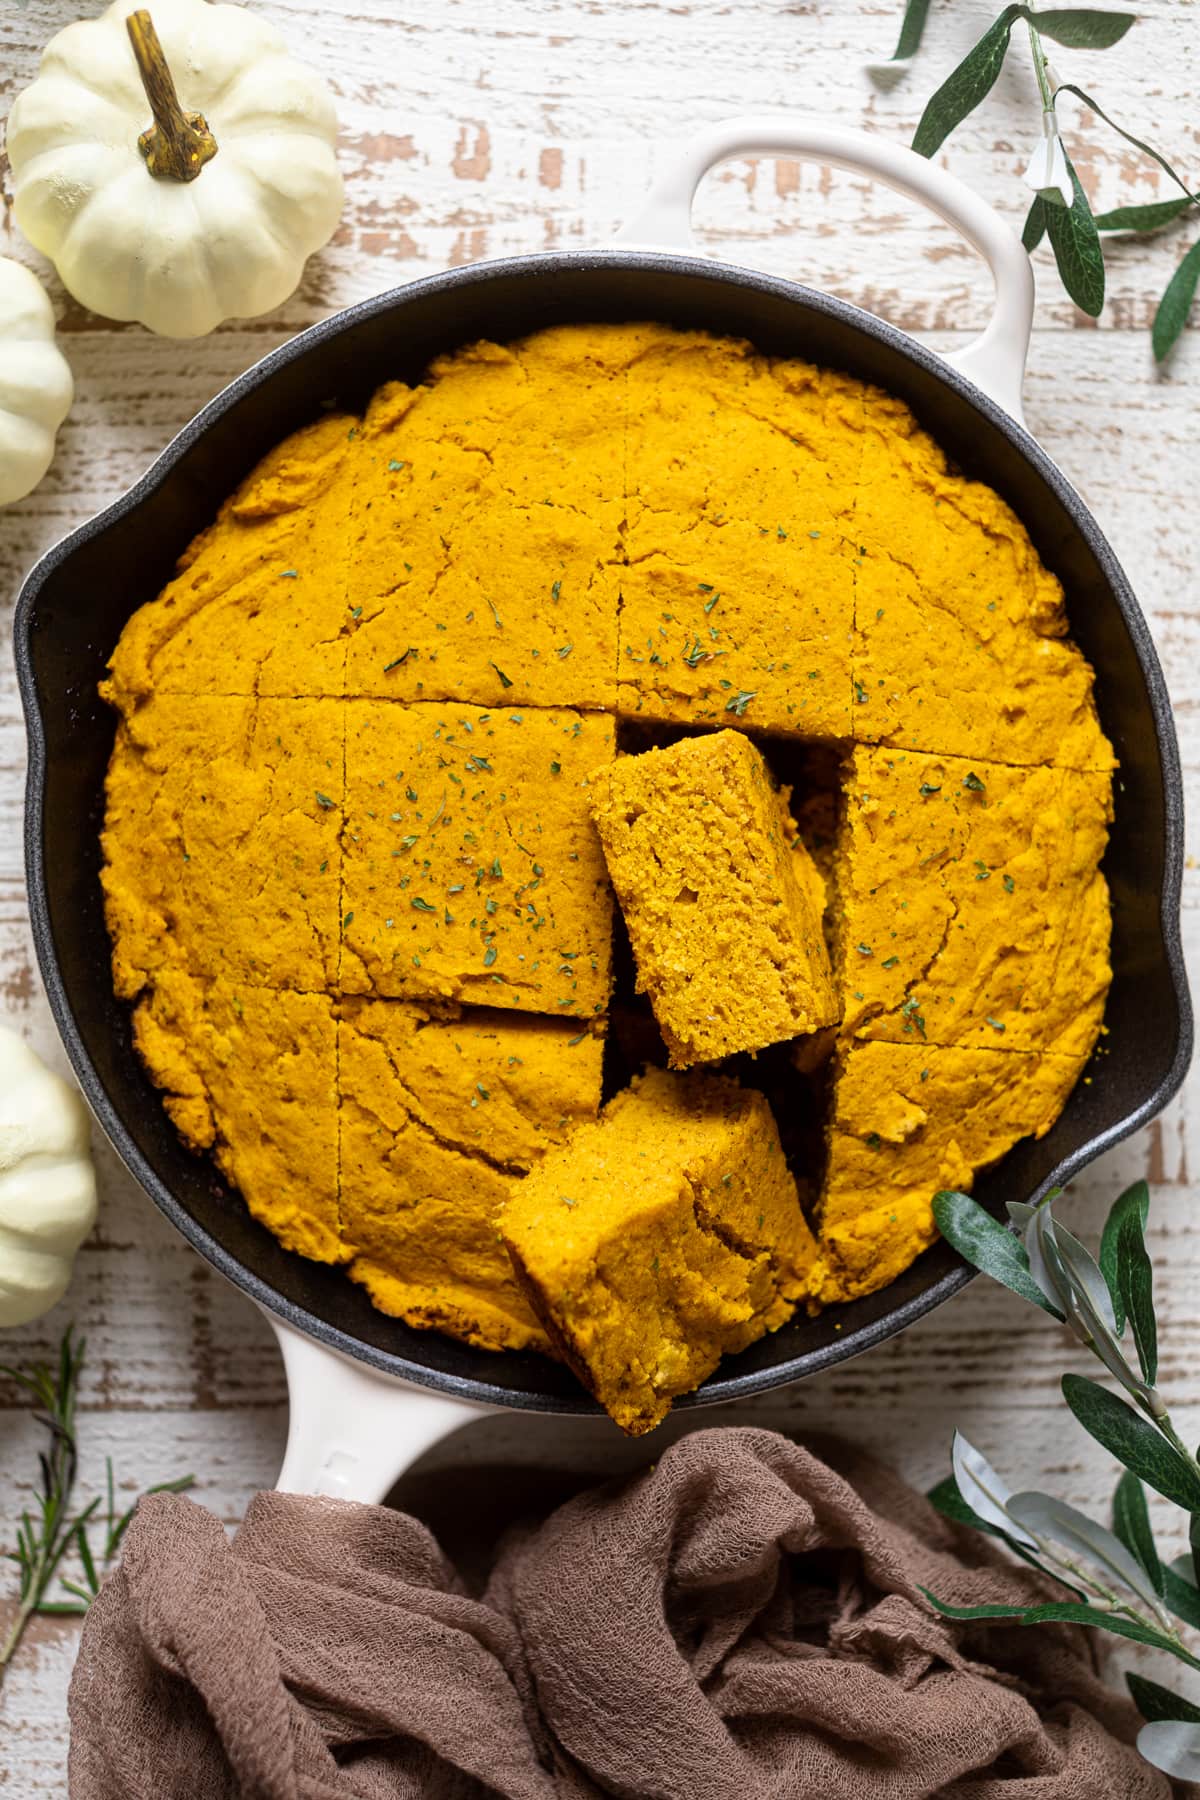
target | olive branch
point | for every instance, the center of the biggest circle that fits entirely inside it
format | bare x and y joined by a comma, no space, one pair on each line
1118,1581
1060,210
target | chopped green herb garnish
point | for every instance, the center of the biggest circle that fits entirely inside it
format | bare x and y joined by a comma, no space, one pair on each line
995,1024
393,466
289,575
740,702
556,768
973,782
420,905
489,956
1009,884
860,693
564,650
396,661
323,800
926,788
555,589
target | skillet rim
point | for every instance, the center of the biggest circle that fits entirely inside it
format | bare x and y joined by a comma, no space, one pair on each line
851,1342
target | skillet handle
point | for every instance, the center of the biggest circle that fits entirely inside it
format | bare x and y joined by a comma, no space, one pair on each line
995,361
352,1432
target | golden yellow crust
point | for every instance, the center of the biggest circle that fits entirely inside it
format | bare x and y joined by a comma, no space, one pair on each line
906,1121
718,894
971,905
661,1238
439,1120
472,870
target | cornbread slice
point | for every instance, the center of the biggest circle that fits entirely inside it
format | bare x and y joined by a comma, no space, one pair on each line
250,1074
659,1239
907,1121
972,907
260,604
716,431
960,642
721,899
729,622
439,1117
472,870
221,841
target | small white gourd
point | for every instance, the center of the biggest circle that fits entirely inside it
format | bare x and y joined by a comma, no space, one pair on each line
36,389
47,1182
178,170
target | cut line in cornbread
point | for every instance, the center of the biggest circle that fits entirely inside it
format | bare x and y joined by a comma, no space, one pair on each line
661,1238
439,1117
908,1120
721,899
250,1074
472,871
972,908
221,841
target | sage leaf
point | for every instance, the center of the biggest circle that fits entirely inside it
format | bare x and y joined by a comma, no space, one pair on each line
911,30
947,1500
1081,27
1172,1746
1132,1440
1066,1525
1180,1591
988,1246
1076,246
1155,1702
1131,1522
1194,1543
984,1491
1142,218
967,85
1080,1291
1135,1279
1065,1612
1068,87
1079,1263
1176,304
1135,1200
1034,229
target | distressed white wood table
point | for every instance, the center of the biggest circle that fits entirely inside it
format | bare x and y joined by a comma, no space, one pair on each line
472,130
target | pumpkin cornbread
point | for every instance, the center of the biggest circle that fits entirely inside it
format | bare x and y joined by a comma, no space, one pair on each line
971,905
660,1238
355,887
438,1116
259,605
221,841
250,1074
471,868
906,1121
718,895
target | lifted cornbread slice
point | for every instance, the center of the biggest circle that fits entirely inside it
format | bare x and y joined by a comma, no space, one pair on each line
972,907
960,632
259,605
438,1117
250,1075
908,1120
719,896
221,841
472,869
717,431
659,1239
734,621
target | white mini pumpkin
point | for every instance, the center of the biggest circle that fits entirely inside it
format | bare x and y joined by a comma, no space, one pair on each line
47,1182
36,389
240,138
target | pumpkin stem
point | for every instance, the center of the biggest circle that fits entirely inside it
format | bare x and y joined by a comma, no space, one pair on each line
178,144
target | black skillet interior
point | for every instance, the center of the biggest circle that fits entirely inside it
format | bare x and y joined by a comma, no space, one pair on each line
77,600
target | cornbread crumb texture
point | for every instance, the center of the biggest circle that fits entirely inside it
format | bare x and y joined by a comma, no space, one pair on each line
221,841
660,1238
908,1120
472,870
439,1119
250,1074
972,909
719,896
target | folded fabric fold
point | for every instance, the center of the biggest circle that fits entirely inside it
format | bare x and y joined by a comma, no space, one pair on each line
741,1621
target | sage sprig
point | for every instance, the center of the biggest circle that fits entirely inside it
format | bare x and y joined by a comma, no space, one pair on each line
1116,1578
1060,210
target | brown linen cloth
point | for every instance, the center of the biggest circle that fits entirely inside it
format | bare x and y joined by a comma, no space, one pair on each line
739,1622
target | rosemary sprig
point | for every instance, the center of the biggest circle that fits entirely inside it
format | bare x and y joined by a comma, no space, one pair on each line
1060,210
49,1529
1116,1577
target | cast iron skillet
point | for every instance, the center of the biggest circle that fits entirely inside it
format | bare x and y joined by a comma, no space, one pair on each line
75,602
